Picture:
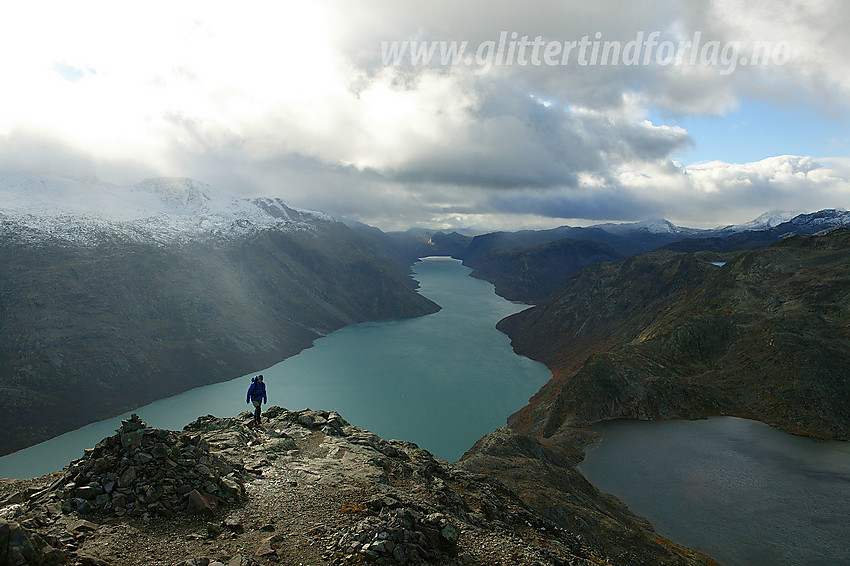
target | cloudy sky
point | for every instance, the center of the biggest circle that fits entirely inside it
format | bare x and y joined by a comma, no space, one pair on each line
557,112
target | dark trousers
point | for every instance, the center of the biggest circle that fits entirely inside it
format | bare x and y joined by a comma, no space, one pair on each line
257,405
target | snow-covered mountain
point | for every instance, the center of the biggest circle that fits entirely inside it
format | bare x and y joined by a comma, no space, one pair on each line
812,222
651,226
822,219
770,219
162,210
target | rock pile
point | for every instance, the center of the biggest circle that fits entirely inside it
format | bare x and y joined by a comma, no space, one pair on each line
396,533
143,470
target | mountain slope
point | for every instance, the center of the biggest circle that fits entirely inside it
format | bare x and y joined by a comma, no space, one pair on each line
96,318
530,274
164,211
668,335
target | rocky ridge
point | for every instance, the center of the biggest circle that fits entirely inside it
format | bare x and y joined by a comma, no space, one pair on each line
531,274
309,488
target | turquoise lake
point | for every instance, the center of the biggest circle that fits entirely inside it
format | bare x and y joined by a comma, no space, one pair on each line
442,381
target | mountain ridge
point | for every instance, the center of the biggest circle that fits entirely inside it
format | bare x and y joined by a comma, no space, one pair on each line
669,335
526,266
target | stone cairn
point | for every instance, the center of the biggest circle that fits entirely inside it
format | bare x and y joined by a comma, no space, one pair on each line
148,471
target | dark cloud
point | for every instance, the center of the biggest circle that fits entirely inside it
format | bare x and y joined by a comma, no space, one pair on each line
516,141
599,205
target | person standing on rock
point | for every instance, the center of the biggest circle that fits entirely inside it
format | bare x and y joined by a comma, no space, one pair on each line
257,396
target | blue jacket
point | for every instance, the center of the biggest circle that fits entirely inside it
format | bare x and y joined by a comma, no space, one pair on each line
257,391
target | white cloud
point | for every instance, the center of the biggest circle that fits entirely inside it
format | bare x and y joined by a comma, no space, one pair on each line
291,97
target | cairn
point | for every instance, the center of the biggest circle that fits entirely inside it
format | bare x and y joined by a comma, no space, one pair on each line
148,471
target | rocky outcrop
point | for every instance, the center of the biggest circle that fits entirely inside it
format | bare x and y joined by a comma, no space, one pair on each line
319,490
544,477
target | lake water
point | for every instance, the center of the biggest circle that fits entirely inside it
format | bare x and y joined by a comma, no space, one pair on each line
442,381
738,490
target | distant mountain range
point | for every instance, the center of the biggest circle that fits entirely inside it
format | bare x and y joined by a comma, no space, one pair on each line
738,238
527,265
112,297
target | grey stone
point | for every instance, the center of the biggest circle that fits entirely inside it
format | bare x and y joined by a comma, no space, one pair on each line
160,451
230,488
84,506
450,533
82,526
143,457
20,547
119,501
131,441
234,524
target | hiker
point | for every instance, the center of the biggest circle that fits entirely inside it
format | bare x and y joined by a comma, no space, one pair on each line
257,395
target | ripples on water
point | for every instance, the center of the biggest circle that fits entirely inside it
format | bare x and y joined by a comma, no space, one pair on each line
738,490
